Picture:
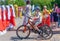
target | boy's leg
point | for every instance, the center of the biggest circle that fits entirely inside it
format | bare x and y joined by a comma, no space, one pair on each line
36,28
25,23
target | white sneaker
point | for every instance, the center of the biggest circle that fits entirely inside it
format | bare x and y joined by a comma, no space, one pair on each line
3,32
0,33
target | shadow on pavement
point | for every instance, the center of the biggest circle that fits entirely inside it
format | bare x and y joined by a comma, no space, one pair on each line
34,38
29,38
56,32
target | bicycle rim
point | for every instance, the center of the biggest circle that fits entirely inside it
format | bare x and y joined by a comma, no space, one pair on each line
21,33
47,32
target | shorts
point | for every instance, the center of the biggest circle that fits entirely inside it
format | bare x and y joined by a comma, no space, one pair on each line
37,23
25,21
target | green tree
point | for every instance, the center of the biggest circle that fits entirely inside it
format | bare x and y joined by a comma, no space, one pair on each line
18,2
58,2
41,3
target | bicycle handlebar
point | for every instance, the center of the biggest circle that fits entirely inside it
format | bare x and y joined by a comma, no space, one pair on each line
29,17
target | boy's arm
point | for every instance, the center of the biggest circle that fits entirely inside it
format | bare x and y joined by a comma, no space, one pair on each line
36,17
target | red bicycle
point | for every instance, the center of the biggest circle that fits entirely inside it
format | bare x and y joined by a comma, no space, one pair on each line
24,31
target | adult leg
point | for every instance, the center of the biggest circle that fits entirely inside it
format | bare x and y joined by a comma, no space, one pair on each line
58,21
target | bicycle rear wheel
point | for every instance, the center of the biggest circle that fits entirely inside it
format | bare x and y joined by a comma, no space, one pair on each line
47,32
21,33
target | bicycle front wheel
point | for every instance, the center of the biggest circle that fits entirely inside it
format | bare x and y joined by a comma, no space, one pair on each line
23,32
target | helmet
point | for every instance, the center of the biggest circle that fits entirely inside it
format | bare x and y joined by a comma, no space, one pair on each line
37,8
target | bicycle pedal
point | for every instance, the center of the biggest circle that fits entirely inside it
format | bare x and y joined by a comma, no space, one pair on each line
35,31
39,32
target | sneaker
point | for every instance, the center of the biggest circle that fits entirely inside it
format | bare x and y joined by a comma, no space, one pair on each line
3,32
0,33
39,31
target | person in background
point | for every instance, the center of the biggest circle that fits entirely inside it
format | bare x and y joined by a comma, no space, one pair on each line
58,13
46,16
4,16
16,10
12,17
27,13
33,7
2,28
8,16
51,16
55,17
2,20
59,19
21,10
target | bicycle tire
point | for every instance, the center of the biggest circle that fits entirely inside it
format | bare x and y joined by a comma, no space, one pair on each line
19,35
50,32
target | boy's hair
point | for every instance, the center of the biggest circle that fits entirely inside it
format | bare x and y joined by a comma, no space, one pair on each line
27,2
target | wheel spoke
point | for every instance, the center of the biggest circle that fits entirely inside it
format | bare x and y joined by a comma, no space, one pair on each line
21,33
47,32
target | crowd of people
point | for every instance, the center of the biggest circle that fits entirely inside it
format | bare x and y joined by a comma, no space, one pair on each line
49,17
7,18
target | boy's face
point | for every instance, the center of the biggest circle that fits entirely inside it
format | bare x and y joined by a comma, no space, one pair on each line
37,10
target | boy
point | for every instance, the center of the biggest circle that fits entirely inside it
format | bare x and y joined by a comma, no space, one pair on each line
37,19
27,13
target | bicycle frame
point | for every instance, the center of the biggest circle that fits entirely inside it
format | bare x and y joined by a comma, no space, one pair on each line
32,25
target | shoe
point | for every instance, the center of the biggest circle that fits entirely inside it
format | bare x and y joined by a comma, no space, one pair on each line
0,33
40,33
3,32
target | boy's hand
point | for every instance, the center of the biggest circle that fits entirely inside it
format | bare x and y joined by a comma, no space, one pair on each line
34,18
